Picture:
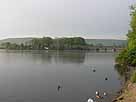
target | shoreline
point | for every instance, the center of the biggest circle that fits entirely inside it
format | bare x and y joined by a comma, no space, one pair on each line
127,93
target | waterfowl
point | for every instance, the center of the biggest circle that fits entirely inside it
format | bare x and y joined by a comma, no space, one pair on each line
94,70
106,78
105,94
97,93
97,96
90,100
59,87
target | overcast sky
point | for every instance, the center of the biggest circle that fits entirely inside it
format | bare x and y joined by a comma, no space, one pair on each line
59,18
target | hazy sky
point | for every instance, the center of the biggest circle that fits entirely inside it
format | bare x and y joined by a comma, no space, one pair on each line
57,18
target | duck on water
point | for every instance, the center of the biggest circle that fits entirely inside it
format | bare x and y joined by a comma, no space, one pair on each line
59,87
90,100
97,97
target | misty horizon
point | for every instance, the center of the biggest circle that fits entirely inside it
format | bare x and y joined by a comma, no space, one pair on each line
65,18
99,38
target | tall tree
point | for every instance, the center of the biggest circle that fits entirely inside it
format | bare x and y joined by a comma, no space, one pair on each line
132,31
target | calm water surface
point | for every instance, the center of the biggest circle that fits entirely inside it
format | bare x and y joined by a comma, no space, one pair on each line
33,76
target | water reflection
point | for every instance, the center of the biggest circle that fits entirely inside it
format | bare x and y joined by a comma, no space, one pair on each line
69,57
50,56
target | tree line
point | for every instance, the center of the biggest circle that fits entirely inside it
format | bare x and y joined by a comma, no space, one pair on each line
73,43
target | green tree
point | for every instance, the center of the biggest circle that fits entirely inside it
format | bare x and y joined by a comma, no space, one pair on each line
22,46
46,42
132,32
128,56
35,43
6,45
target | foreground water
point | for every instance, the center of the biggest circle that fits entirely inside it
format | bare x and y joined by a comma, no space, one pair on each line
33,76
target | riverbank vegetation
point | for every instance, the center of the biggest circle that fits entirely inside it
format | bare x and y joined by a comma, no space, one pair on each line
133,77
127,57
74,43
127,60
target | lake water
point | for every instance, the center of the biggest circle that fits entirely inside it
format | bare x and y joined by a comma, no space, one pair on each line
33,76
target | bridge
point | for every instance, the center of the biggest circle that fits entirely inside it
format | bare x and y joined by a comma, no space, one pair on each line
104,48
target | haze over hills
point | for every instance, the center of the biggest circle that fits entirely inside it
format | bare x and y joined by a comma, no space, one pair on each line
95,42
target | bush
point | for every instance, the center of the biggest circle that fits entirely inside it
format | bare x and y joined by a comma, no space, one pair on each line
133,77
132,57
127,57
122,57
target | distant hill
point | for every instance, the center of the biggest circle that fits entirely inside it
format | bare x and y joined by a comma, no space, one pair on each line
16,40
104,42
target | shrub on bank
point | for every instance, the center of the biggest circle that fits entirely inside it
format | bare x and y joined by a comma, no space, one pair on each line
132,57
127,57
122,57
133,77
